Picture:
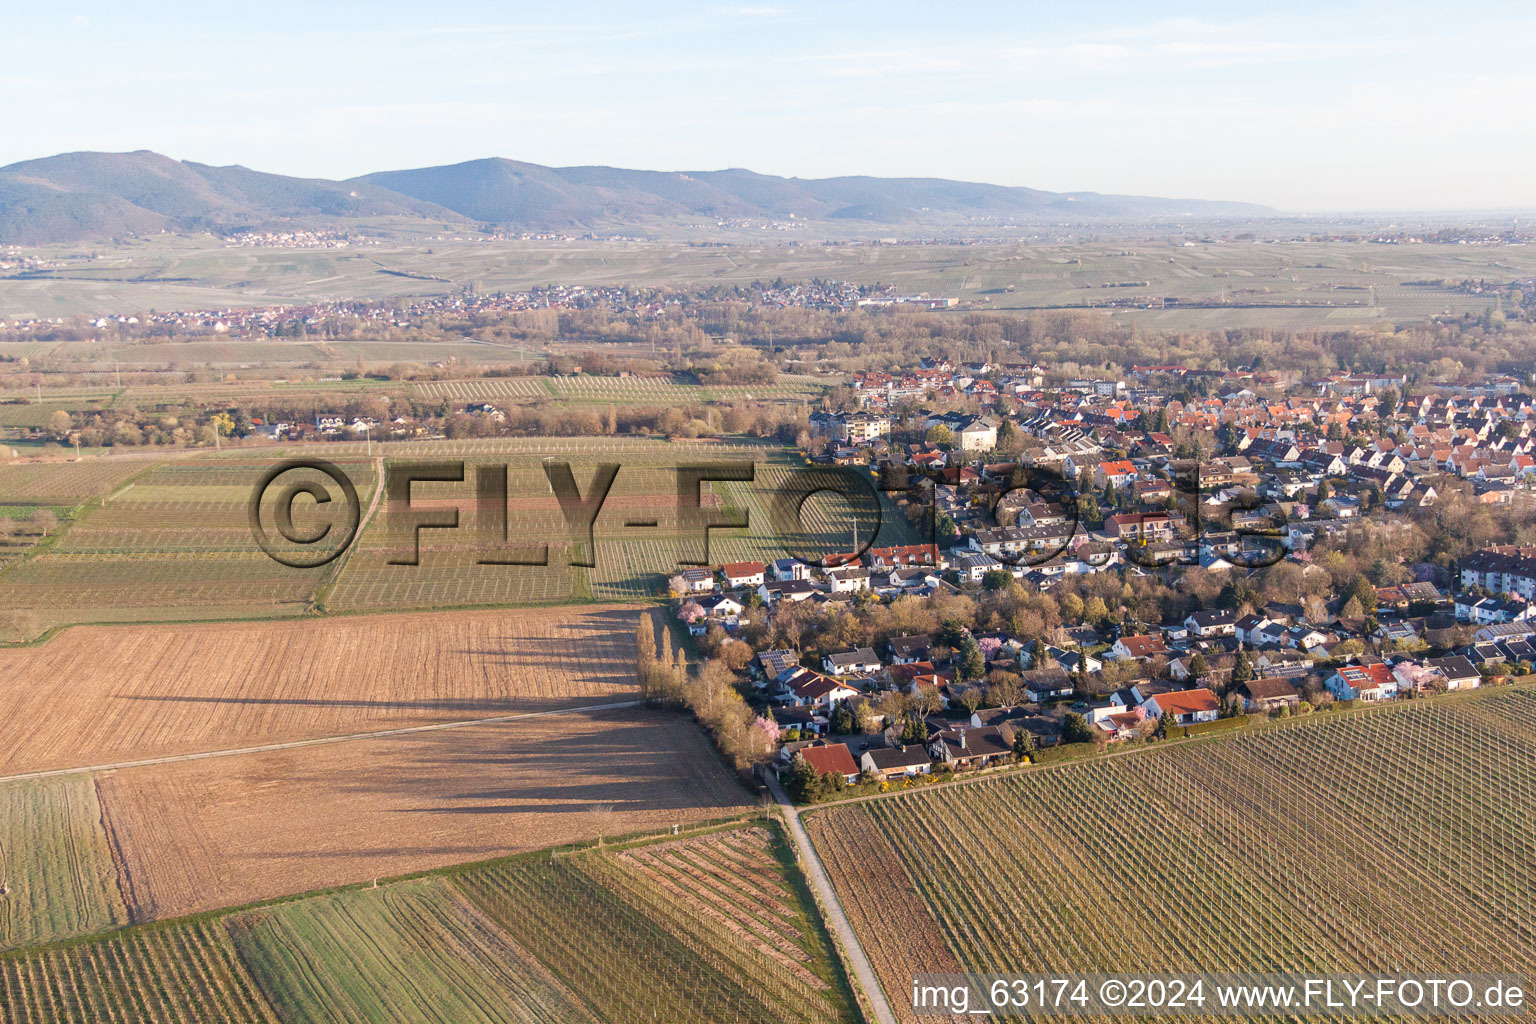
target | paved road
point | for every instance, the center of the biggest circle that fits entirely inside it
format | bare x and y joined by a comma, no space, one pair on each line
852,951
319,740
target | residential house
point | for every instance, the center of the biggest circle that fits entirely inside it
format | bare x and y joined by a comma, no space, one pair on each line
1363,682
805,687
1141,647
695,581
774,591
1118,475
861,661
898,762
978,433
1212,622
1268,694
832,759
965,747
850,579
791,569
1184,707
1459,672
905,650
743,574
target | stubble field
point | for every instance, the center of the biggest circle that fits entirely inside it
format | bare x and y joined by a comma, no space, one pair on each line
106,694
224,831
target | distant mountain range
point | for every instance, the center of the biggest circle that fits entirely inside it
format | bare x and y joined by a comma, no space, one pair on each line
102,195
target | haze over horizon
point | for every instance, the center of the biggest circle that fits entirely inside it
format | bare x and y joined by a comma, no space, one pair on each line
1311,112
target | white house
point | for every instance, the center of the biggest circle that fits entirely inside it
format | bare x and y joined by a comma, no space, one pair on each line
743,574
1209,622
850,579
847,663
1363,682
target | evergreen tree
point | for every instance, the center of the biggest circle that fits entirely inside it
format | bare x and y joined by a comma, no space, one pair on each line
802,784
1075,729
972,664
1023,744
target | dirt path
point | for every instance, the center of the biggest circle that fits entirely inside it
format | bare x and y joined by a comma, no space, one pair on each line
846,939
320,740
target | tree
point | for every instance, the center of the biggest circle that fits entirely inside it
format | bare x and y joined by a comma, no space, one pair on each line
735,655
941,435
645,641
1072,608
996,579
1242,669
914,730
1197,666
60,424
1004,689
970,699
952,634
1023,745
1095,610
843,720
1075,729
802,783
603,819
18,624
892,705
972,664
44,521
928,702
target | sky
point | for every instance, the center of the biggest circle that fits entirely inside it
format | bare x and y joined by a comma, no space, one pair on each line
1322,107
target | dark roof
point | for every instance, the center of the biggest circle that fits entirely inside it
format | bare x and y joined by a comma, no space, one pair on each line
902,646
1213,616
1269,688
1454,667
970,741
909,756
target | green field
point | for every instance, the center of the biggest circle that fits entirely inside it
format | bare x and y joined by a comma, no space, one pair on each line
1393,841
414,952
56,861
172,541
173,544
713,928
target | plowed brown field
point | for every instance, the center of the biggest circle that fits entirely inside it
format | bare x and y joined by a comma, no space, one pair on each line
212,833
106,694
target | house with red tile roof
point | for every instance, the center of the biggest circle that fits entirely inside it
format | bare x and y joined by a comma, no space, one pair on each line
833,759
1185,707
1363,682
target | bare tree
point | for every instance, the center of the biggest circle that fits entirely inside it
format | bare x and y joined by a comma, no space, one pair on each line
603,819
928,702
19,624
44,521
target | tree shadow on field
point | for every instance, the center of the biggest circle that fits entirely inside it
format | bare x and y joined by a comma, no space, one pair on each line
487,707
656,763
